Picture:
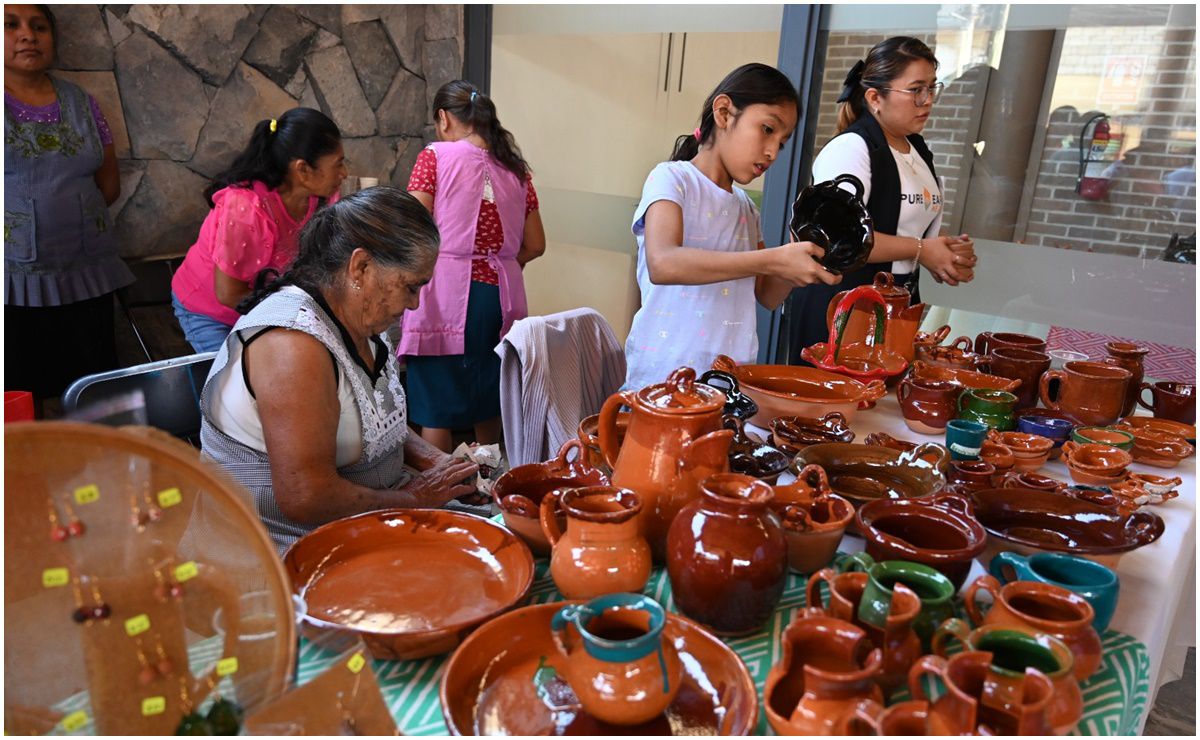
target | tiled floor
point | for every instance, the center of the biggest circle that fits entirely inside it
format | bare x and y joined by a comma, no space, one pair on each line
1174,710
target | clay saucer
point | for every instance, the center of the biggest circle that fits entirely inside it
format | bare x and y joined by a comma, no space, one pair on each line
411,582
1162,426
1039,521
861,361
962,376
506,679
1029,451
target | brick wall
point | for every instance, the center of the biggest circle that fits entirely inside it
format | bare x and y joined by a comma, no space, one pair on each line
1139,215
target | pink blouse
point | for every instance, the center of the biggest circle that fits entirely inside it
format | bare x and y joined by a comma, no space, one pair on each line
248,230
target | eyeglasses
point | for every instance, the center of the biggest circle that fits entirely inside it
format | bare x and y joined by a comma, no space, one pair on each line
921,95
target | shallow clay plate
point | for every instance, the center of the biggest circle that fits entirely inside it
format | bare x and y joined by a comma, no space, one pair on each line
1029,520
1161,426
411,582
506,680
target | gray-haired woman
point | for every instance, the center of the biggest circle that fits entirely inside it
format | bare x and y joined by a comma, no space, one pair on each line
304,404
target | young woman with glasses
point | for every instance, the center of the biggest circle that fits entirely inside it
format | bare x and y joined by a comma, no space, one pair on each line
884,106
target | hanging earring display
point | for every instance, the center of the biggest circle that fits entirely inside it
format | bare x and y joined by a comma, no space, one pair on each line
58,532
166,589
85,613
75,527
147,675
164,666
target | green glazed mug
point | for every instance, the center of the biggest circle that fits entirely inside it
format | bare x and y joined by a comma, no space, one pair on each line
989,406
934,589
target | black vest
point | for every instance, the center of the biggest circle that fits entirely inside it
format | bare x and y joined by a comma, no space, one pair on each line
810,303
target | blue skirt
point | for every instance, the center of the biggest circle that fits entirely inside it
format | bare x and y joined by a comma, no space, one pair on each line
458,391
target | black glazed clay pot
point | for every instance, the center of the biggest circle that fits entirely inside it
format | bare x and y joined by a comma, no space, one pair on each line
736,403
836,221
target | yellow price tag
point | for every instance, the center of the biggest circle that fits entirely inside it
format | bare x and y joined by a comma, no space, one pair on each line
153,705
186,571
226,667
356,663
74,721
52,577
169,497
137,625
87,494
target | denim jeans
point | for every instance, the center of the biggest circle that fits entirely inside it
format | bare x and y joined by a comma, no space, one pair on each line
204,333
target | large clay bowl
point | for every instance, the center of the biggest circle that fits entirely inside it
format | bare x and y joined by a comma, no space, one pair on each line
411,582
862,473
938,531
495,682
966,378
787,390
1031,521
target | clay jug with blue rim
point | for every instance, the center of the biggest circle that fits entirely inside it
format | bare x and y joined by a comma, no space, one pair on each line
622,667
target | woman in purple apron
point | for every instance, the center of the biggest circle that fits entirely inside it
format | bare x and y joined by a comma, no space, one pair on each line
61,266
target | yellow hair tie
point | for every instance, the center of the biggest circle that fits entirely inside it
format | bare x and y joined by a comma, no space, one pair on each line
274,125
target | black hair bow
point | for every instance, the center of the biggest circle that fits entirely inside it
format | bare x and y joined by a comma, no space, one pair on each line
853,77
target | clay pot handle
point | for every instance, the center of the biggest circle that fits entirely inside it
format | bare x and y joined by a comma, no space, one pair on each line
560,460
548,515
938,335
904,390
725,364
1141,396
851,180
1011,479
1141,523
733,389
1010,566
520,504
682,378
932,452
1044,387
858,562
795,518
812,592
963,343
1068,450
985,583
982,342
950,629
869,713
874,391
934,664
814,476
953,501
607,425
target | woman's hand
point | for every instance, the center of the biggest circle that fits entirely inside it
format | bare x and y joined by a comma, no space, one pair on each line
446,480
950,259
796,262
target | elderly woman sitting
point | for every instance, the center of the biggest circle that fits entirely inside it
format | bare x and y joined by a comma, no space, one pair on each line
304,404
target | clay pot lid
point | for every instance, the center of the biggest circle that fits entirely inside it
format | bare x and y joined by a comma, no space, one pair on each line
476,683
885,283
681,394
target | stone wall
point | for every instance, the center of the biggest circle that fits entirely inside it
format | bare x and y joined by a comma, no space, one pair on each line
183,85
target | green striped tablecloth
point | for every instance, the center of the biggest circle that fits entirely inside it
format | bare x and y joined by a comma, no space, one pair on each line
1114,697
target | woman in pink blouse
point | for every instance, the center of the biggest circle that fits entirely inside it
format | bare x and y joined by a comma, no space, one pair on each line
291,166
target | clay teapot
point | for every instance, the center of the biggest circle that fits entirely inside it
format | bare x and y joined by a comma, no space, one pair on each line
674,441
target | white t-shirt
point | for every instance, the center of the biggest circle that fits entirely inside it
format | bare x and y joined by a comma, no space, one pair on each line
920,193
689,325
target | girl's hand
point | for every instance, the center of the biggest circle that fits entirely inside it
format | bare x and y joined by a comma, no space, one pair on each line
950,259
447,479
796,262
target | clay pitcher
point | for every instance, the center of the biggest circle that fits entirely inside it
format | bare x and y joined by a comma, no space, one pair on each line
1132,358
974,699
673,442
727,556
619,662
602,551
1092,392
828,666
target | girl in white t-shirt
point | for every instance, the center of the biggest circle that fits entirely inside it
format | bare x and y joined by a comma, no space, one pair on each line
701,262
884,106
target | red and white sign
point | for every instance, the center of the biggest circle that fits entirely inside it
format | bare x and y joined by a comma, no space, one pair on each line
1122,80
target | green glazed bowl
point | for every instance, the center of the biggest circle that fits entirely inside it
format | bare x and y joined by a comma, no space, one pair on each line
1118,438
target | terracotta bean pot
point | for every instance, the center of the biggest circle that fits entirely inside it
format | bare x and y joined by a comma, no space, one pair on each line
893,635
1048,609
939,531
1092,392
727,556
972,702
1172,401
814,519
827,667
1025,365
1133,358
602,551
617,662
988,341
927,405
674,441
520,491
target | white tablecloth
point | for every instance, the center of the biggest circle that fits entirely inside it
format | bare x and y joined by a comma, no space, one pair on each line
1157,602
